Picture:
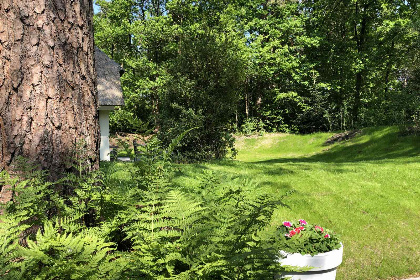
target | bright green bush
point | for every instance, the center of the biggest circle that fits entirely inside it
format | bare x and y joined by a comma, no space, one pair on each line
252,126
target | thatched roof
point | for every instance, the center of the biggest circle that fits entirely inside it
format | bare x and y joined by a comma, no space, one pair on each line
108,78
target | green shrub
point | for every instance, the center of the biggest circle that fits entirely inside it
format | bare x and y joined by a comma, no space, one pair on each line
204,142
252,126
122,120
213,236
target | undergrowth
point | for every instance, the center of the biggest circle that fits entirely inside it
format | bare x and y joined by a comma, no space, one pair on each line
92,225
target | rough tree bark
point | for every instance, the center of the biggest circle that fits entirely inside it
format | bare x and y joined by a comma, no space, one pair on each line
48,100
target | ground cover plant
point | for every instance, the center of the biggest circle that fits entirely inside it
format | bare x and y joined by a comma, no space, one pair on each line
366,189
129,221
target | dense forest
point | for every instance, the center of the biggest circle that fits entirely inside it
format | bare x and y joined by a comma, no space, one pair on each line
277,65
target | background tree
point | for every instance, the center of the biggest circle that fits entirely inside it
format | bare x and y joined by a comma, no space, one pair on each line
207,73
48,100
299,66
364,47
185,69
280,75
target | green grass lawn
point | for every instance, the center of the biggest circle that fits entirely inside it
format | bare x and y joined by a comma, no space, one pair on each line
367,189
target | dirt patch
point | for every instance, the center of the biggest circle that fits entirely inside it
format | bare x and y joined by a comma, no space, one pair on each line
411,277
265,140
270,139
346,135
266,135
410,130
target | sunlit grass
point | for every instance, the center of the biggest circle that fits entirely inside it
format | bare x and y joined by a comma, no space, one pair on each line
367,189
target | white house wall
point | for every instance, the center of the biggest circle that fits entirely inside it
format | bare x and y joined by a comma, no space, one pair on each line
104,127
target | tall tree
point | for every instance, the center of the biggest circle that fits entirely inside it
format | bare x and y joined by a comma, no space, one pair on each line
365,45
48,101
279,70
184,67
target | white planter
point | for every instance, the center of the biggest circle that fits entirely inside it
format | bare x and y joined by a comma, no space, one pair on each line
324,265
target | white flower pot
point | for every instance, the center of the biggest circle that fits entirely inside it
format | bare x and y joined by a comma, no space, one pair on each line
323,265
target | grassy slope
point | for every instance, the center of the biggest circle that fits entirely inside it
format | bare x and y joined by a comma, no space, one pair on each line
366,189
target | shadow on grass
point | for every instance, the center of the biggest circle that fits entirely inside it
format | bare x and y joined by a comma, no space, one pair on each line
372,145
231,173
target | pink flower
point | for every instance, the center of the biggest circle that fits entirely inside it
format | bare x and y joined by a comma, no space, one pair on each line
327,236
292,232
301,228
302,222
287,224
319,228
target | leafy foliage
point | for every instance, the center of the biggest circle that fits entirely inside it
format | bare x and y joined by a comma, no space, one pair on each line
252,126
296,66
56,255
92,225
179,75
303,238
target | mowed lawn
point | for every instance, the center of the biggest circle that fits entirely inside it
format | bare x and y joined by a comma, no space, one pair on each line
367,189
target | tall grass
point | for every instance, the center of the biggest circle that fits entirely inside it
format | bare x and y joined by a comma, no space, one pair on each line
367,189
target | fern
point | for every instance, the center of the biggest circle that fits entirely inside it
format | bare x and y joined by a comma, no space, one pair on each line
174,143
10,233
176,237
98,226
182,212
55,255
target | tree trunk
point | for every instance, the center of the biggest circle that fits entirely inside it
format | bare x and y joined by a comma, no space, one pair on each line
357,96
48,100
246,105
388,68
360,38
